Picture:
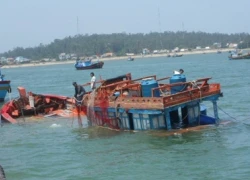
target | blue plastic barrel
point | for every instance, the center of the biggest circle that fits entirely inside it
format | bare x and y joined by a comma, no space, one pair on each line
147,85
176,78
203,109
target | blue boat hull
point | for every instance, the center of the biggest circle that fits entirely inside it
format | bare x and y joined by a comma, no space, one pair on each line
4,88
97,65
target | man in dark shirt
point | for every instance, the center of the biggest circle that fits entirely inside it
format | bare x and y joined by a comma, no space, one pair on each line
79,93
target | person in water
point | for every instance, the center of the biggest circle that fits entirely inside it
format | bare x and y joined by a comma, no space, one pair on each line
79,93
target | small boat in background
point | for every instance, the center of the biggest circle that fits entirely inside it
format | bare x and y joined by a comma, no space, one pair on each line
4,87
130,59
88,64
177,55
40,105
235,56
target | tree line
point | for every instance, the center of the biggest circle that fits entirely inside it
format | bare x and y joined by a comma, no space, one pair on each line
122,43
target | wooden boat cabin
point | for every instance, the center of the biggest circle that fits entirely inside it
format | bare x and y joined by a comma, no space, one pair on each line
148,103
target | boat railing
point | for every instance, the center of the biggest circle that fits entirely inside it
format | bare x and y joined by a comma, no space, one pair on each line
165,78
161,102
167,101
131,81
193,84
192,94
130,87
146,77
116,84
97,82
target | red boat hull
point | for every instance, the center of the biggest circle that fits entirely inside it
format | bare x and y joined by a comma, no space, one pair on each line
38,105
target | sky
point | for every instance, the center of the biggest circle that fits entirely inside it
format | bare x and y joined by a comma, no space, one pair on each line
27,23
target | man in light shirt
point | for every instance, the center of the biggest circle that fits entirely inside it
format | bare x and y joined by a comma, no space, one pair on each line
92,81
181,71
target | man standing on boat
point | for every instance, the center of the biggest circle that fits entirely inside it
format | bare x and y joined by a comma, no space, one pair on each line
92,81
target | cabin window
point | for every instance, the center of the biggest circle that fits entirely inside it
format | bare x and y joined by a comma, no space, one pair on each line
193,114
124,121
141,121
158,121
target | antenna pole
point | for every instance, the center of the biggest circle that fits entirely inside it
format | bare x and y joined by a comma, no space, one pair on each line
77,25
159,19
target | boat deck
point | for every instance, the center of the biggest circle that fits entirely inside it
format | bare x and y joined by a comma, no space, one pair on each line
198,90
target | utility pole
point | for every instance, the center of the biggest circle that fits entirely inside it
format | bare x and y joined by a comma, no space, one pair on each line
182,30
159,21
77,25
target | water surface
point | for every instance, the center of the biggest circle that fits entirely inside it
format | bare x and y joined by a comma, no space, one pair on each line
55,148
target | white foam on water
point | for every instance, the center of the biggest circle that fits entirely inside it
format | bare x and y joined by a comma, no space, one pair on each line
55,125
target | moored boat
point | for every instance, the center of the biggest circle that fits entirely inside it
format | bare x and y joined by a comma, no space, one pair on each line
88,64
30,104
147,103
239,56
130,59
177,55
4,87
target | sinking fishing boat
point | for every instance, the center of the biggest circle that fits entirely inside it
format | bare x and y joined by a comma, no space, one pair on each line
42,105
88,64
148,103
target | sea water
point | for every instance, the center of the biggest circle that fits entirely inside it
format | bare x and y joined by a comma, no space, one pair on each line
55,148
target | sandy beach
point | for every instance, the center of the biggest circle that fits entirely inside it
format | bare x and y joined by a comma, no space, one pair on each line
115,58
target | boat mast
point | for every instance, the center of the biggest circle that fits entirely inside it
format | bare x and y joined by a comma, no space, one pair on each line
77,26
159,23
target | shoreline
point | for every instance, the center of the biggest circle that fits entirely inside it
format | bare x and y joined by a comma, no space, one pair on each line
115,58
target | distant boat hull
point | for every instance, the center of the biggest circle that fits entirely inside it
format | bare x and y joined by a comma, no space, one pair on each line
4,88
130,59
237,57
96,65
177,55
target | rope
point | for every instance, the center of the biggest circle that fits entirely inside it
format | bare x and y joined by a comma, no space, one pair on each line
81,100
195,85
233,117
227,113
